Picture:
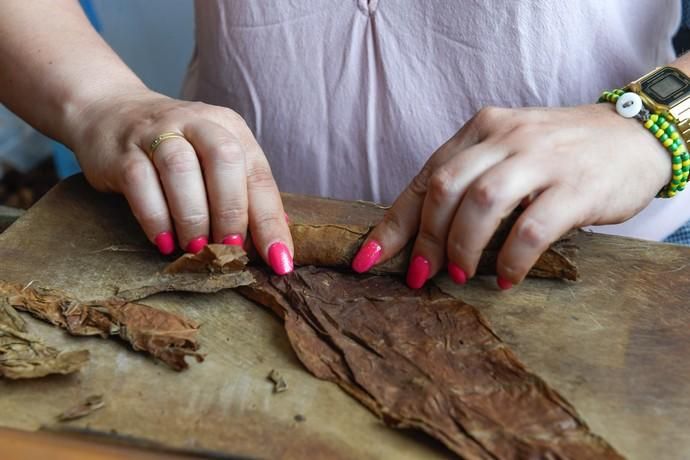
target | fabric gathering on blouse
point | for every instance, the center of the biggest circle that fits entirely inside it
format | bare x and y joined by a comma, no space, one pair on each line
348,98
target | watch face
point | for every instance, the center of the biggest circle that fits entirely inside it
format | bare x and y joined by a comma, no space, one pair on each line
667,86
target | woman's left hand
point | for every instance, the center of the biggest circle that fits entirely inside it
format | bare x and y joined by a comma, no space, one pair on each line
577,166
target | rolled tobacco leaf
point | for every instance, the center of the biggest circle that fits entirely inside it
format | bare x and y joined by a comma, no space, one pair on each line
328,233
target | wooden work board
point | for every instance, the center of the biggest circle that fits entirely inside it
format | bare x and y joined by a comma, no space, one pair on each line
616,344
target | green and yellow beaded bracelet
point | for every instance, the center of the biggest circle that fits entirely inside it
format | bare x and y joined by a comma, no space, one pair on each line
662,126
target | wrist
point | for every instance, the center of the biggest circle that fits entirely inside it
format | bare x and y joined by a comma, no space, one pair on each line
655,166
661,100
80,105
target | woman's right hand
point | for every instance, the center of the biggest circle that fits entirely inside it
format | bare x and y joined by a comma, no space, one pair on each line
212,184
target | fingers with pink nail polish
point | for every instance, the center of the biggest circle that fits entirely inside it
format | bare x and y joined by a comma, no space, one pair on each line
418,272
457,274
280,259
233,240
367,256
196,244
503,283
165,243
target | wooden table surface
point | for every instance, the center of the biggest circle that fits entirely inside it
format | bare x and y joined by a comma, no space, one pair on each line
24,445
616,344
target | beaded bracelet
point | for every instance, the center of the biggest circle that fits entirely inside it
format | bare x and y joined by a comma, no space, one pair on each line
662,126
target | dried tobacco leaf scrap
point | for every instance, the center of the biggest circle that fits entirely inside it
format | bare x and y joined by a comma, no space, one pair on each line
23,356
183,282
164,335
423,359
9,316
214,268
88,406
213,258
279,383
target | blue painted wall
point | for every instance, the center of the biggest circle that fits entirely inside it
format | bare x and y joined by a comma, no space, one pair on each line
155,38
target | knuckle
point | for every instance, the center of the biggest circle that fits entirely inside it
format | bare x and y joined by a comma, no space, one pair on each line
268,220
170,114
233,214
135,131
532,233
229,117
134,171
441,186
487,116
530,138
178,161
393,222
418,186
430,240
457,251
235,118
523,130
152,220
484,194
260,177
226,154
198,106
192,219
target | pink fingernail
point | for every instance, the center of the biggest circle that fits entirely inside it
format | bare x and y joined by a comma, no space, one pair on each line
503,283
367,256
418,272
165,243
457,274
280,259
233,240
197,244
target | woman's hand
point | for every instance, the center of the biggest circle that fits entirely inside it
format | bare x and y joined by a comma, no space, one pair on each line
212,183
571,167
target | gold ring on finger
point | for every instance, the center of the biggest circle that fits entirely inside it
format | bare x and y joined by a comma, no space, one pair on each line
160,139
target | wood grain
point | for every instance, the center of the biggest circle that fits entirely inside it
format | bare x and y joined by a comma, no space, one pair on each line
21,445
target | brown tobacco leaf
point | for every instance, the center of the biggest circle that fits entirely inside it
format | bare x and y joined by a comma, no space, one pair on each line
214,258
423,359
164,335
9,316
90,405
214,268
23,356
328,233
184,282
